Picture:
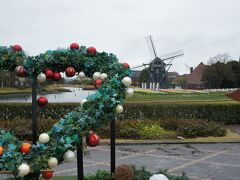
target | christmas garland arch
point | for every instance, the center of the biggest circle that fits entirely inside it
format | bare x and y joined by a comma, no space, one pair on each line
56,146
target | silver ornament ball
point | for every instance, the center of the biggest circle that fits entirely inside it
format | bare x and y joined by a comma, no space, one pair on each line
127,81
41,77
69,156
96,75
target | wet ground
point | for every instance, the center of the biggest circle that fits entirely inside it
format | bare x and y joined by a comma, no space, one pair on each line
200,161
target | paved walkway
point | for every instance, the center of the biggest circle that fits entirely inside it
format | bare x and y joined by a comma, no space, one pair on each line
199,161
234,128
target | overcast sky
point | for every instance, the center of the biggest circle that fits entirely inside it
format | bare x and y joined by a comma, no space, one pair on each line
201,28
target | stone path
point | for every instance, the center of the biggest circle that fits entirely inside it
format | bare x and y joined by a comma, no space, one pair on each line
234,128
199,161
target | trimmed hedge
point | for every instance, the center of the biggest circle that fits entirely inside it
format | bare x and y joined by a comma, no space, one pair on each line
132,129
224,113
198,128
10,111
22,128
192,128
129,129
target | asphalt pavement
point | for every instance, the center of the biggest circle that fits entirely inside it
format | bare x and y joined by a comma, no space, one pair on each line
199,161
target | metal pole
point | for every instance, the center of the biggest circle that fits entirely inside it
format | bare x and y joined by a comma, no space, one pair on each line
34,111
80,159
113,144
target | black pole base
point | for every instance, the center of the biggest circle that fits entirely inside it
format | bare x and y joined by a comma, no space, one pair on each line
32,176
80,159
34,111
113,144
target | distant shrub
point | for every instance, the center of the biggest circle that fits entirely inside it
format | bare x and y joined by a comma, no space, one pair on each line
22,128
170,124
199,128
139,174
99,175
137,129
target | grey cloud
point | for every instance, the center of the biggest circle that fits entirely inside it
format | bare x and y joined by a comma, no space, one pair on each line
201,28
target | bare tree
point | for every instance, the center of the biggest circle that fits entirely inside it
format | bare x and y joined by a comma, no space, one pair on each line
223,58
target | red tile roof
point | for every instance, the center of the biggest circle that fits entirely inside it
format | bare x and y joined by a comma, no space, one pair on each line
196,76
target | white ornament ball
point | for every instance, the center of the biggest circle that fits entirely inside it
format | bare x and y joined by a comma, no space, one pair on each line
44,138
158,177
23,170
127,81
68,156
41,77
83,101
129,92
103,76
52,162
82,74
96,75
119,109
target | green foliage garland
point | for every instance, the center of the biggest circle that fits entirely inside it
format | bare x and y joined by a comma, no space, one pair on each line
10,59
64,135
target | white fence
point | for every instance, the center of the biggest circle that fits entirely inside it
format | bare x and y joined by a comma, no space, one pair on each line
155,86
220,90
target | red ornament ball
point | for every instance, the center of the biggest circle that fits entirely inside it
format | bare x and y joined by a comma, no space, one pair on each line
42,101
48,73
98,82
126,65
17,48
47,174
91,50
57,76
70,71
25,148
93,139
20,71
74,46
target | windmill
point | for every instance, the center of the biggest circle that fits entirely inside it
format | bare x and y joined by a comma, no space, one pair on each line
158,66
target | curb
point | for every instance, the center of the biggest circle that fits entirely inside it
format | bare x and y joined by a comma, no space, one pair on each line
125,143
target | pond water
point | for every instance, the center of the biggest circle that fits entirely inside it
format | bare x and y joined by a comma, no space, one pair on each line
75,95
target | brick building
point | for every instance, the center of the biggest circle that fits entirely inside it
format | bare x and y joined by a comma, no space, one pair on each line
194,79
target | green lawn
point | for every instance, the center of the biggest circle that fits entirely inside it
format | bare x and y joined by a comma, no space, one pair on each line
9,90
143,97
48,89
63,178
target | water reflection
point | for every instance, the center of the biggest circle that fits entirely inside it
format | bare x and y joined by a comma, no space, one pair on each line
75,95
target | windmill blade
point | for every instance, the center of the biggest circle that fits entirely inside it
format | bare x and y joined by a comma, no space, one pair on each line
151,47
187,66
168,66
138,66
172,55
